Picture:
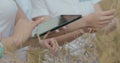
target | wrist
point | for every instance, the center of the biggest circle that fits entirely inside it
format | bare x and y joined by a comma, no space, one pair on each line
8,42
89,20
88,26
86,21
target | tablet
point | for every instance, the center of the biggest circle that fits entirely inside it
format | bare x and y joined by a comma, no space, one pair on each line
55,23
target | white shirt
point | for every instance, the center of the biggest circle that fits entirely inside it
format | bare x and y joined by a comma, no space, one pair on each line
8,11
61,7
26,7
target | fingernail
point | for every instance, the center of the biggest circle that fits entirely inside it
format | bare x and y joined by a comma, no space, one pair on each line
57,31
65,27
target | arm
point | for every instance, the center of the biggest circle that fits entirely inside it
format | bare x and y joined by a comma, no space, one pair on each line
66,38
96,20
82,26
22,30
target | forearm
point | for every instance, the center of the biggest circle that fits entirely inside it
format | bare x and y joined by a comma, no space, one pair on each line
70,36
79,24
19,35
16,40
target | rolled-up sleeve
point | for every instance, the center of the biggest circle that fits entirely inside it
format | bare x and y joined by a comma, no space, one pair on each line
39,8
95,1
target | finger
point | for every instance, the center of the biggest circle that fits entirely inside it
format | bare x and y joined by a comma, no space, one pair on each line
48,46
105,22
109,12
55,47
65,27
35,23
105,18
57,31
53,44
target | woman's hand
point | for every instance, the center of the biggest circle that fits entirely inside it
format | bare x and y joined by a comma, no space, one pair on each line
111,26
100,19
50,44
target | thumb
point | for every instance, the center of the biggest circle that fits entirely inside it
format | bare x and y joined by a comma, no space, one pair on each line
37,22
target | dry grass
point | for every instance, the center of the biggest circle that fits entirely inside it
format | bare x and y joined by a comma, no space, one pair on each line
108,45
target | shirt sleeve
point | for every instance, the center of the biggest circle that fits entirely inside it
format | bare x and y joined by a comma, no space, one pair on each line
95,1
39,8
25,6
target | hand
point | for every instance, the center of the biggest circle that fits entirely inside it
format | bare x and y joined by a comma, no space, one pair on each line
23,29
99,20
111,26
50,44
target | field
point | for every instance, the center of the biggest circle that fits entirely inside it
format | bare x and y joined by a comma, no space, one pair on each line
110,49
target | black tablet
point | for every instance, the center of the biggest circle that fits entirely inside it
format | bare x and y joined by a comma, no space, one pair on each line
56,23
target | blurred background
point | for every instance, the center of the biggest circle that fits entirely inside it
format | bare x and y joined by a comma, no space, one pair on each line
110,53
